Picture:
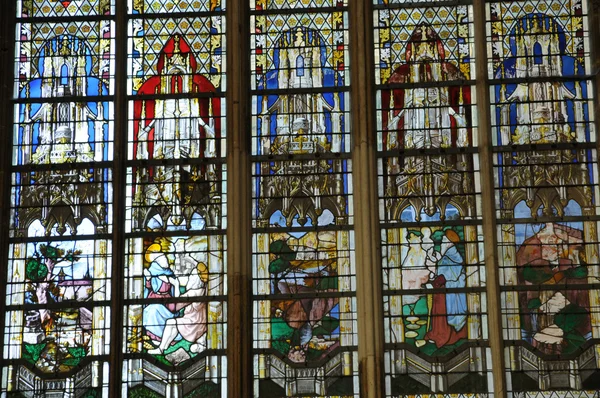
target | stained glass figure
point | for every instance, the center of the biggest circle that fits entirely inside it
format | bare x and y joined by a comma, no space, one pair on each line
433,278
63,63
430,107
434,306
175,317
548,247
61,283
303,244
59,269
175,287
177,129
538,45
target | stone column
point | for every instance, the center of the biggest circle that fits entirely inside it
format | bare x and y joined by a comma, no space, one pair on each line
507,254
488,202
511,305
366,214
15,330
16,274
135,268
395,239
8,373
119,185
100,282
98,331
590,233
239,247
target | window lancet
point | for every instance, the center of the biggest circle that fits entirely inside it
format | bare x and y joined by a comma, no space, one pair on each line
303,268
59,267
547,244
425,213
175,263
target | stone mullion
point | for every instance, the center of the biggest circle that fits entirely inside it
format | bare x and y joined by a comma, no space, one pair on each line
119,183
490,240
7,49
239,238
594,34
366,214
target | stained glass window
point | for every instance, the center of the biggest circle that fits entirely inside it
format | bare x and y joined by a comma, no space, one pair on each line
546,194
59,268
303,242
175,291
125,119
433,273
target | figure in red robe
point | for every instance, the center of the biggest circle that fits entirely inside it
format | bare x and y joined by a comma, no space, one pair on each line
182,122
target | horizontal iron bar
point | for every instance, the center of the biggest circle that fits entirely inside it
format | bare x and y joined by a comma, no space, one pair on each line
420,4
301,90
302,10
299,296
303,157
332,228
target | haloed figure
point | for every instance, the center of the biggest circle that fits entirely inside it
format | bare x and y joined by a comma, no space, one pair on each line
192,325
161,283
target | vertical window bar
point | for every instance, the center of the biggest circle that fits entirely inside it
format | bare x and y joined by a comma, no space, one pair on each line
368,251
239,231
117,283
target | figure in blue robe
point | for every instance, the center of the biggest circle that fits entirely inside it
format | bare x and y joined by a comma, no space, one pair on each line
449,310
159,284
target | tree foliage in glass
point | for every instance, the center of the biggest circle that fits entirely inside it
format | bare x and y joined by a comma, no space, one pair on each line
303,266
175,310
434,301
548,248
58,281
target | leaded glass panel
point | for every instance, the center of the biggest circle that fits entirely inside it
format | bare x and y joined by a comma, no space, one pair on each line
303,242
175,264
166,151
545,170
79,55
175,314
261,5
64,8
173,6
538,38
59,267
451,25
434,299
435,319
533,44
